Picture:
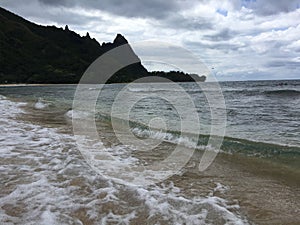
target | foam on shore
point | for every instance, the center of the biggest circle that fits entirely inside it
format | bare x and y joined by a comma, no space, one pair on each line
45,180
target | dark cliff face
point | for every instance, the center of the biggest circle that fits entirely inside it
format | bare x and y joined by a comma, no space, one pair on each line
30,53
120,40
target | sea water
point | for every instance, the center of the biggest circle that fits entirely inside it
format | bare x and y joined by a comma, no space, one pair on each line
254,180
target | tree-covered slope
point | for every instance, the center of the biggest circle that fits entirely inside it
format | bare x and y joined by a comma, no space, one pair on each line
31,53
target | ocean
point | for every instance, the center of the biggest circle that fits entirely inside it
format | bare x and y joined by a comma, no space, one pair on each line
48,178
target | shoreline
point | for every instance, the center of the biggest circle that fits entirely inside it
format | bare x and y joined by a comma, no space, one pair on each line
253,189
31,85
220,81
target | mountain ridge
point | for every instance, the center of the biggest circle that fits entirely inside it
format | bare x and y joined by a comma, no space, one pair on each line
31,53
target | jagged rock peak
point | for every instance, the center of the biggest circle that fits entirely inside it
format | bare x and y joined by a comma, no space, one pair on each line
120,40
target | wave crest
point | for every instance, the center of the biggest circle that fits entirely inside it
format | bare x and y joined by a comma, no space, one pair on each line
285,92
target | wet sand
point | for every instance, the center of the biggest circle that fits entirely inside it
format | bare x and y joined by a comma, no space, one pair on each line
53,176
264,191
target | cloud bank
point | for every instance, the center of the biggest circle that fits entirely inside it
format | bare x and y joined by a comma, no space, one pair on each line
241,39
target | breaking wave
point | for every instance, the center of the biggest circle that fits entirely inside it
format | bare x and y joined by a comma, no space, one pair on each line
46,181
285,92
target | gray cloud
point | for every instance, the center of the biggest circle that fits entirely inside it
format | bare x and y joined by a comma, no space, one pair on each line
70,18
48,15
223,35
180,22
283,63
221,46
55,2
271,7
130,8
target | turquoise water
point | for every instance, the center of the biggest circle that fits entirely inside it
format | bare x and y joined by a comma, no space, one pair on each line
254,179
262,111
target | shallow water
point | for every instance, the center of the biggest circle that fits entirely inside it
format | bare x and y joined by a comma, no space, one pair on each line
46,180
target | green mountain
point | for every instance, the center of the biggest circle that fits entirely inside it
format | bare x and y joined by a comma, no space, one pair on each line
31,53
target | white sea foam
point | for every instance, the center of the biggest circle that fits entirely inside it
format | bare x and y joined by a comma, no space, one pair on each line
155,88
161,88
41,104
168,137
76,114
69,114
2,97
45,180
132,89
181,210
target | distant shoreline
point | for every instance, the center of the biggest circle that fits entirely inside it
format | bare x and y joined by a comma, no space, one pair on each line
30,85
68,84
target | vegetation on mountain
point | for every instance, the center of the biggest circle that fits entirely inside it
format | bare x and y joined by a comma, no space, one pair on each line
31,53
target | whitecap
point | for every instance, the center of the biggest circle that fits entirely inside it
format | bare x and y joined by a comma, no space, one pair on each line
2,97
50,183
41,104
75,114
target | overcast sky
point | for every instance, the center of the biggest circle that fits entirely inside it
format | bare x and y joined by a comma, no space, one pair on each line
240,39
